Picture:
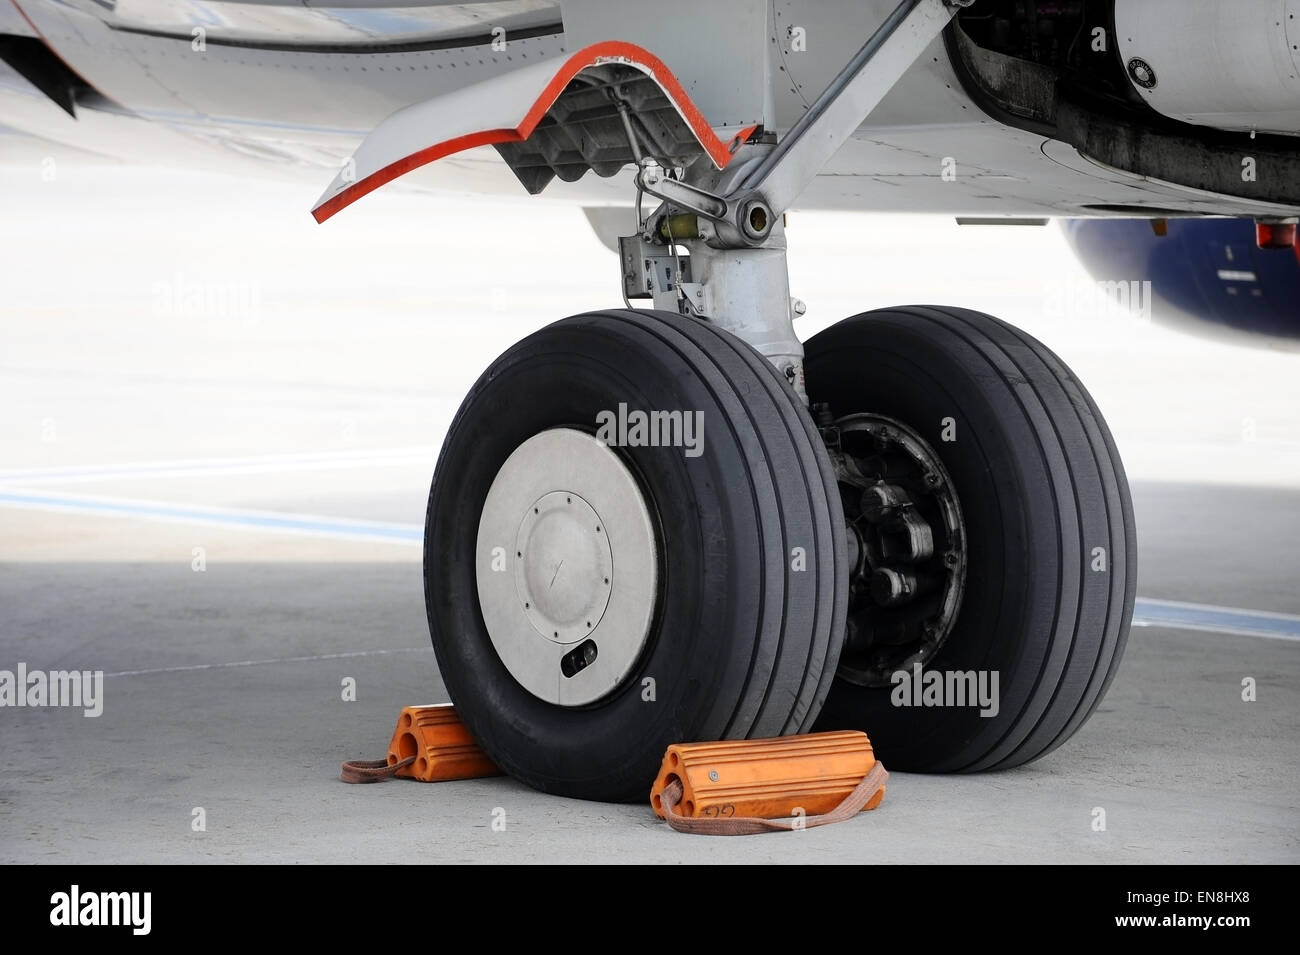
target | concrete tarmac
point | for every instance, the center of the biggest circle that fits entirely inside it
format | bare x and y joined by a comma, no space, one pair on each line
218,505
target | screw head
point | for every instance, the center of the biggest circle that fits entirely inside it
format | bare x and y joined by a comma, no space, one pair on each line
713,775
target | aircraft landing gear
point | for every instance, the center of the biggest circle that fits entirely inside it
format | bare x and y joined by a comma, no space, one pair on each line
638,534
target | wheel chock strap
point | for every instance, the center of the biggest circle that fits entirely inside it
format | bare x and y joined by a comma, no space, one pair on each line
429,744
744,787
372,770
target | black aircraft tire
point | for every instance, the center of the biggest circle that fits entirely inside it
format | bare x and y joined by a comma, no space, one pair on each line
1051,564
749,605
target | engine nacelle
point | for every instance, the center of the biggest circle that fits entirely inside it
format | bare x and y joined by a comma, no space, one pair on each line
1230,65
1207,276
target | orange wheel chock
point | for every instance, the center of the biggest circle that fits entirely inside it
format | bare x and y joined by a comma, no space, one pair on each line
766,778
441,745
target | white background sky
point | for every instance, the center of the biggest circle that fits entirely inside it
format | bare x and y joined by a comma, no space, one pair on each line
195,287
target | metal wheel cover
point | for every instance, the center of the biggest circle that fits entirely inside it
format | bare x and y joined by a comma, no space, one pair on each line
567,569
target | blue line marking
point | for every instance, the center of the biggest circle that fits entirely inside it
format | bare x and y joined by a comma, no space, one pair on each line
294,523
1146,612
216,466
1172,613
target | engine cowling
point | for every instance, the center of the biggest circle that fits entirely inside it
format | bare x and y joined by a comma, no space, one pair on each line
1225,65
1207,276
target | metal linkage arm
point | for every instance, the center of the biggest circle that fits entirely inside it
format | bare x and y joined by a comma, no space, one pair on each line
801,154
746,214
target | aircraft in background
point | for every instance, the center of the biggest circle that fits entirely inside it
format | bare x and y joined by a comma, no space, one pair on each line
682,522
1208,277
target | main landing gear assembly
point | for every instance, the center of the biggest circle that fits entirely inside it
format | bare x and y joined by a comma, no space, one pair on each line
953,503
683,524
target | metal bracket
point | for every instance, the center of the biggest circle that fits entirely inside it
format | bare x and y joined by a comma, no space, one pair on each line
654,270
683,195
